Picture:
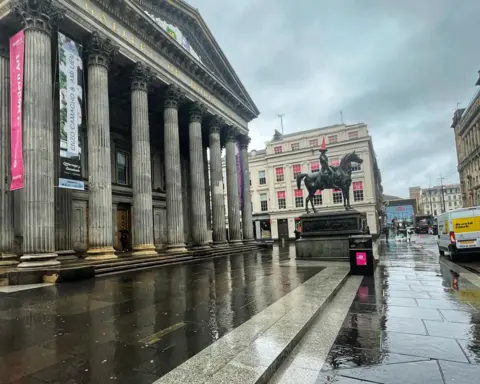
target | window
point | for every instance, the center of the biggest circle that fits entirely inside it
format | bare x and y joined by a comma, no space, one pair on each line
357,190
279,174
332,139
313,143
282,204
262,180
298,198
295,146
334,162
314,166
337,196
356,167
352,135
278,149
263,202
297,168
317,198
449,203
122,167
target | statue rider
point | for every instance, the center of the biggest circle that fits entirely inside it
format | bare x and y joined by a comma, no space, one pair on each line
326,168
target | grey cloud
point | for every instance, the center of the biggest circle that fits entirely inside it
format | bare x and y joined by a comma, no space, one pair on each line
400,67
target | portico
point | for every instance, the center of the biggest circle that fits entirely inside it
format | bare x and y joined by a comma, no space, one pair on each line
151,112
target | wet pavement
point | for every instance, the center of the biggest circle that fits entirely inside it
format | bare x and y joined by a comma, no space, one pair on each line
417,320
136,327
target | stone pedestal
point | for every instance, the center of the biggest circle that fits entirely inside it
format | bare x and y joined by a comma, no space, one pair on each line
325,234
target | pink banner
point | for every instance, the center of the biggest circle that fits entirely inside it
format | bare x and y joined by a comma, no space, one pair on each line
17,55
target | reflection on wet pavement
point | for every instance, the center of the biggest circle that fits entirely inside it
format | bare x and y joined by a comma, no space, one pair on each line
134,328
415,321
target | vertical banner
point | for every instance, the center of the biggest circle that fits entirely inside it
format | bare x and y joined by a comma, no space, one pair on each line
17,56
70,76
239,174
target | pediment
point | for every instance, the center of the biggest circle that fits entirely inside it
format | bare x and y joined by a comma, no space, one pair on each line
185,25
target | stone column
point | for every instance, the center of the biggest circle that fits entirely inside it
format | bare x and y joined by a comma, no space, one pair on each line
38,19
197,176
232,187
247,220
100,53
173,176
207,187
7,257
143,244
216,183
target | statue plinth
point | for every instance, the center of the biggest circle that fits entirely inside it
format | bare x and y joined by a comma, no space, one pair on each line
325,234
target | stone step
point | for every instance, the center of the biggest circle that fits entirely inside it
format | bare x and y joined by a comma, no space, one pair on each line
139,264
252,352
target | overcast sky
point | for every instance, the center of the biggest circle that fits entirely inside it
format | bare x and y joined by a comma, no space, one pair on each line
399,66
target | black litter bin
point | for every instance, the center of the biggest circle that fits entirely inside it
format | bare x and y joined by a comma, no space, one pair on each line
360,253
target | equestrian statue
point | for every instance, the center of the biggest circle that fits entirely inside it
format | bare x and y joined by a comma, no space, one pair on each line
330,177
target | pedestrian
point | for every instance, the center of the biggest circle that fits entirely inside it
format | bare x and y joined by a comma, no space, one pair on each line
385,230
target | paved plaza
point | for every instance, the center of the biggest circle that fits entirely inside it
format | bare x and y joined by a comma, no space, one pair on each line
252,318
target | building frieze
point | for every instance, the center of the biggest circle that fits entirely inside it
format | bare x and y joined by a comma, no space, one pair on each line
145,28
189,20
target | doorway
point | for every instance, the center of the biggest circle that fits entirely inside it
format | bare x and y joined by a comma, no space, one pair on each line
283,229
124,227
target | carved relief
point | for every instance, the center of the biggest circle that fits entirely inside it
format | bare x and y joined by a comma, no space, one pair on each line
100,51
173,97
196,111
142,77
42,15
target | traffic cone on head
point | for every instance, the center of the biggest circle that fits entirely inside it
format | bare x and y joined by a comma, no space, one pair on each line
323,147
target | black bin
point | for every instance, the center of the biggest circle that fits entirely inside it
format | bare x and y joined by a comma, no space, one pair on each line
360,253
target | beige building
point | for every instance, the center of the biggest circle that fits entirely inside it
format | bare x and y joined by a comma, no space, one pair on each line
466,126
431,201
414,192
277,203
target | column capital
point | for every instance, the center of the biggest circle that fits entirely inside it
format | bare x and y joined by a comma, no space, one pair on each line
215,124
142,77
100,50
196,111
244,141
41,15
173,96
231,133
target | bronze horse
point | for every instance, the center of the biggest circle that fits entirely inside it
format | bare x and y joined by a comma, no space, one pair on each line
342,177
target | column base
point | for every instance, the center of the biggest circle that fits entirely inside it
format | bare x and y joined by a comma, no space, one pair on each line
144,250
176,248
235,243
221,244
101,253
39,260
7,259
68,255
201,247
248,241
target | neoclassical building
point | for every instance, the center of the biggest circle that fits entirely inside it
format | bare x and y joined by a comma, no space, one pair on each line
466,127
158,98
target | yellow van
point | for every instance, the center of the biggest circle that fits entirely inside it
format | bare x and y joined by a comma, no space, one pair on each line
459,232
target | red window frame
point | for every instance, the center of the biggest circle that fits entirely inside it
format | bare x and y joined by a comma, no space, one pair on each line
297,168
298,192
335,162
281,195
279,171
357,185
333,139
278,149
314,166
319,192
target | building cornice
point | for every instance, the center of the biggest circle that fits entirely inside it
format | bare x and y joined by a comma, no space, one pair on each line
139,22
469,115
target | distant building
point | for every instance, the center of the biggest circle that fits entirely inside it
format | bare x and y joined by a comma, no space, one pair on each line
414,192
466,126
277,203
432,203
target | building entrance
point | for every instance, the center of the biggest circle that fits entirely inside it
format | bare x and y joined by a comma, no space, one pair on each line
283,229
123,240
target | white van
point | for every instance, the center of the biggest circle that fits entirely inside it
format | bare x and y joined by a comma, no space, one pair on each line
459,232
